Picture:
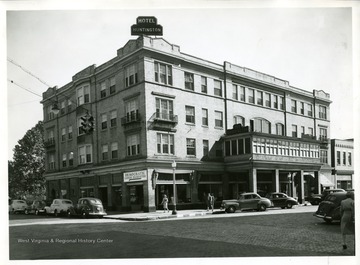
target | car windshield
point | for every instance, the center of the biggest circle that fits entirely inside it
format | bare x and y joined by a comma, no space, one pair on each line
331,198
95,201
67,202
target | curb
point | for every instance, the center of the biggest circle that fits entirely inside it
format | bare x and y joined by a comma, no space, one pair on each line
157,217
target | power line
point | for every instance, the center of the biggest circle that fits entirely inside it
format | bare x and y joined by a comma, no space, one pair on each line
27,71
13,82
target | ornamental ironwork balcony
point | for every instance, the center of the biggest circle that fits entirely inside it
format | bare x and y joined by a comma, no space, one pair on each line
50,143
163,122
130,118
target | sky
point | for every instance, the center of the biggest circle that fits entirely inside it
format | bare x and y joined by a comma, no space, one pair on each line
310,47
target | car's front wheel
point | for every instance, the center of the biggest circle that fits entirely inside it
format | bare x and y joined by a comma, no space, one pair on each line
56,213
262,207
231,209
26,211
289,205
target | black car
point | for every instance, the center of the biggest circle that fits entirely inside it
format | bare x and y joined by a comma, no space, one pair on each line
329,209
87,207
315,199
282,200
37,207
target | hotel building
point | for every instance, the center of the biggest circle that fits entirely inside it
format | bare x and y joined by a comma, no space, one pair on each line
228,128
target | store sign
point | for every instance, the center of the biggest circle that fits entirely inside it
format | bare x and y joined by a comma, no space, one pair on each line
135,176
146,26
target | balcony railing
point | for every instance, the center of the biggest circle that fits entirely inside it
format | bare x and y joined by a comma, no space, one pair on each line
163,121
130,118
49,143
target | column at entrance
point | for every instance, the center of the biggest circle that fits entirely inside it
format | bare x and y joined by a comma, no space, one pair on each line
253,180
149,193
276,181
301,192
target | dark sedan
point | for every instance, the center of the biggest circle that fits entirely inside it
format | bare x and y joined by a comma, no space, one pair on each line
282,200
37,207
329,209
87,207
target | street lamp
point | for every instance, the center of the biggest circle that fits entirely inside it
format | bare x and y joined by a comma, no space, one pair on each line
173,165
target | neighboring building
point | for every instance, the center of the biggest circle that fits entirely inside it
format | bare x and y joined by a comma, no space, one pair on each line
229,129
343,163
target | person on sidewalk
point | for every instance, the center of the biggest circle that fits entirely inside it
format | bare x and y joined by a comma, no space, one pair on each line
208,200
212,201
165,202
347,217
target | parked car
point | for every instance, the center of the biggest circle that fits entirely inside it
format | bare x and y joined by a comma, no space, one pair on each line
282,200
87,207
37,207
58,207
17,206
246,201
329,209
315,199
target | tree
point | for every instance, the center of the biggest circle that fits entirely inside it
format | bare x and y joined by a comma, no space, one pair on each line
26,171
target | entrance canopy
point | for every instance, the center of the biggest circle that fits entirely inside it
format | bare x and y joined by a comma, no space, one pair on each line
325,181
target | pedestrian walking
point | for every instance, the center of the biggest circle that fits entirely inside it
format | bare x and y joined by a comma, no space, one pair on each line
347,217
208,201
212,201
165,202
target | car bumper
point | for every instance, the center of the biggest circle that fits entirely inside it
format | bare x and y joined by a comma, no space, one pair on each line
97,214
323,216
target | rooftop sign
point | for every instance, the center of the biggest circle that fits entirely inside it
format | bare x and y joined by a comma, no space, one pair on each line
146,26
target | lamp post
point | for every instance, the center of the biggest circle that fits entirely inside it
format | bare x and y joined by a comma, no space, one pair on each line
173,165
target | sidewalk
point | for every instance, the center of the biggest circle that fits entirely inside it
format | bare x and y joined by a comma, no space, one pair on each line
141,216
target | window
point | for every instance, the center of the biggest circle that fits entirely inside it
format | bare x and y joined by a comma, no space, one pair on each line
204,84
131,75
83,94
349,159
51,161
275,101
294,130
190,146
70,131
205,147
62,107
239,120
189,81
205,118
302,131
114,150
164,109
133,145
80,130
71,159
113,116
50,113
310,131
293,106
112,85
251,95
282,103
217,88
338,158
64,160
69,106
323,134
242,93
280,129
132,110
163,73
344,159
322,112
310,110
165,144
259,98
63,134
218,119
260,125
235,92
190,114
85,154
103,121
51,138
302,108
267,100
105,152
102,89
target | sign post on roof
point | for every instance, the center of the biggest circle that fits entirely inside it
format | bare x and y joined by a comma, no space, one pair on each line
146,26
